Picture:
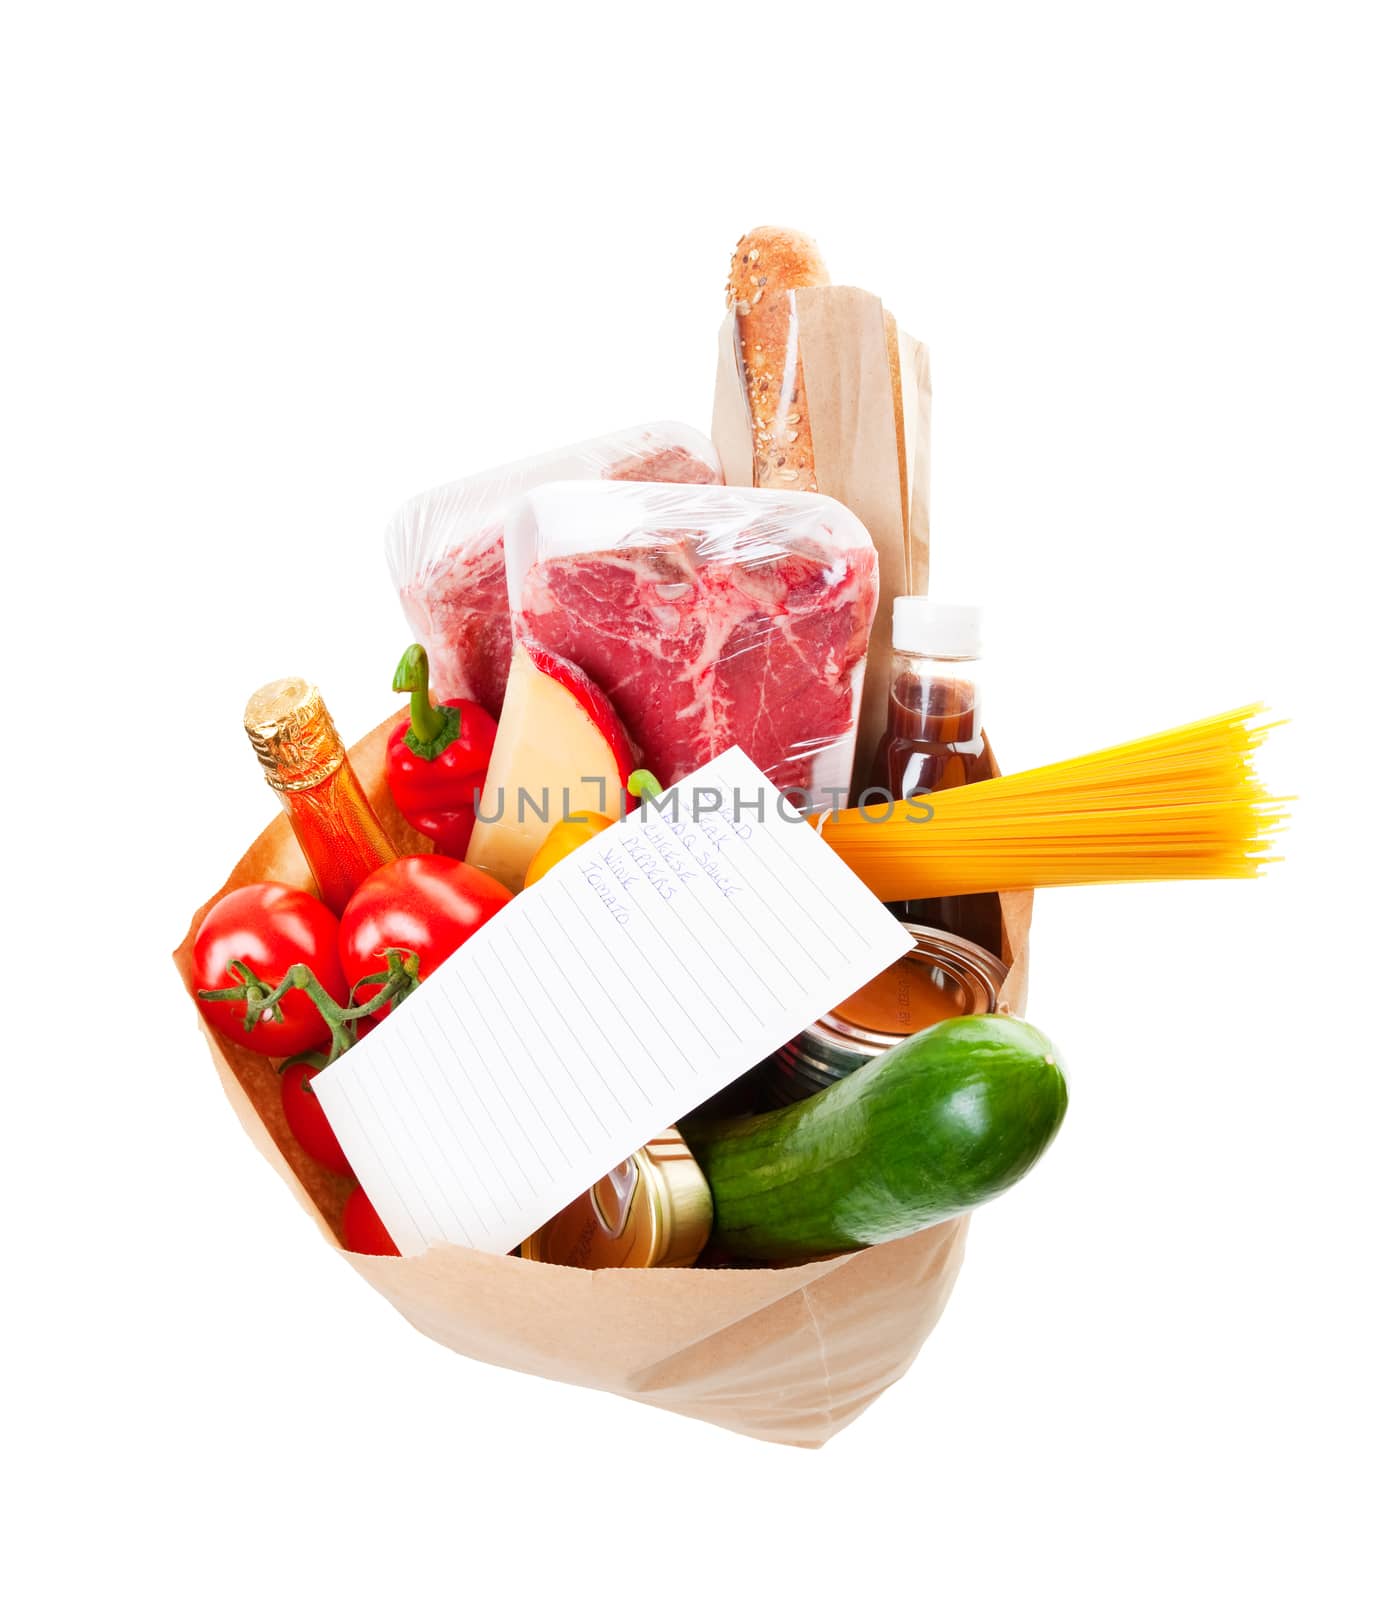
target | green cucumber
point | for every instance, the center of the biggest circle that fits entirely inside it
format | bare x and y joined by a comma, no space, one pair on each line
940,1123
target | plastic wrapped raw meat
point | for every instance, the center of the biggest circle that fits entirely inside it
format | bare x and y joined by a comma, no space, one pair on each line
708,616
445,547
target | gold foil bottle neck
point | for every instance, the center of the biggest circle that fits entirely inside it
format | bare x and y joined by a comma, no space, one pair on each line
292,734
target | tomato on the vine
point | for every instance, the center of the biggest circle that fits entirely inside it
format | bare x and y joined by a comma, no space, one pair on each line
425,904
268,927
310,1127
364,1233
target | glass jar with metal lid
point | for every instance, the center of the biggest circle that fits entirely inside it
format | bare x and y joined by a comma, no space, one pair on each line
942,976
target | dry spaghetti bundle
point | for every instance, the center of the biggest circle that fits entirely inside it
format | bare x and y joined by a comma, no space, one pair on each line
1182,804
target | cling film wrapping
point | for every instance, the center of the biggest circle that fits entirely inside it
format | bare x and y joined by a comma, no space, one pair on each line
790,1355
444,547
709,616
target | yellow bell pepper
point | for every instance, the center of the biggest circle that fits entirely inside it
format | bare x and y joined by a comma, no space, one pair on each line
563,839
580,826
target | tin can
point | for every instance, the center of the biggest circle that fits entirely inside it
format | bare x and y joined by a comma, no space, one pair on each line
652,1211
943,976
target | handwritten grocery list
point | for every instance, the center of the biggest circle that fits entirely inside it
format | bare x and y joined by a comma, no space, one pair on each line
646,971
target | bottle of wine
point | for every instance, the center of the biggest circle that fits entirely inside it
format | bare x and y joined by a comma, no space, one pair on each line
305,764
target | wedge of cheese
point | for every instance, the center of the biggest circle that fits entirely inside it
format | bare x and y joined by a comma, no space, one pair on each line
560,748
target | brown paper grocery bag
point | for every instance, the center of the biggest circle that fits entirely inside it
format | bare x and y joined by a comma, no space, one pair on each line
790,1355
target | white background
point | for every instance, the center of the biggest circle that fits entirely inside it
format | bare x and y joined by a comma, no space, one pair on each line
270,270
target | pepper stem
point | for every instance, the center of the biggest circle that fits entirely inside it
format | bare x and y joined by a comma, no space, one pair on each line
642,785
411,677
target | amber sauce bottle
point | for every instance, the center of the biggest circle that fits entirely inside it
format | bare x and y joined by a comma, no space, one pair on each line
305,764
933,740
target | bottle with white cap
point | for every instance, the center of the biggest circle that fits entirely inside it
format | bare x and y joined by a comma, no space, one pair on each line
933,738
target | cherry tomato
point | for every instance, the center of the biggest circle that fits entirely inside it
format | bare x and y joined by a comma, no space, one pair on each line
364,1233
427,904
308,1121
269,927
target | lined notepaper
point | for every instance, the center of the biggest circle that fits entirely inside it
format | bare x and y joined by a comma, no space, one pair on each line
646,971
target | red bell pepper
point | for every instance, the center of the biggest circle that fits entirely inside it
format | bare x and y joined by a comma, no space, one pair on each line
437,758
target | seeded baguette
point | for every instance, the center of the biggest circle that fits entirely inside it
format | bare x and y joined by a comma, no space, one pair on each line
767,264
